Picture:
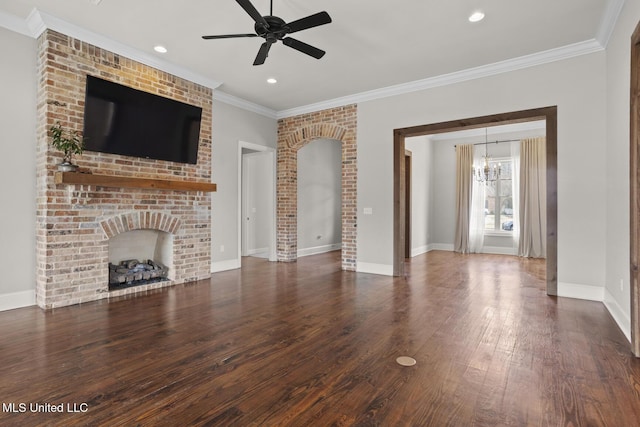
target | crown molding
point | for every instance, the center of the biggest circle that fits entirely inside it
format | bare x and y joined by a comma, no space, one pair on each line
221,96
609,20
15,24
39,21
547,56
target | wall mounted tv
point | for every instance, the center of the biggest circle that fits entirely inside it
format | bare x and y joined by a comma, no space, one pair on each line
122,120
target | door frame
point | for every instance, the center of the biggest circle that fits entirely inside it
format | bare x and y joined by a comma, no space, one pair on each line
408,162
272,233
549,114
634,187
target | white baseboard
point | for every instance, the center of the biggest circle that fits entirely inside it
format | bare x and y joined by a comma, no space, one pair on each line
419,250
259,253
440,247
382,269
496,250
619,315
586,292
231,264
319,249
17,300
499,250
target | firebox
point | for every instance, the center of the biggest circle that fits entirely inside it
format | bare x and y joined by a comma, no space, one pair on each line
139,257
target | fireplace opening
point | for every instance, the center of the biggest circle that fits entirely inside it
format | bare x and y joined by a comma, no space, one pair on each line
140,257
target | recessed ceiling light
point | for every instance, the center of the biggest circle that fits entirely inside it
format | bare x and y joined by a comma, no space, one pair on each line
272,81
476,16
160,49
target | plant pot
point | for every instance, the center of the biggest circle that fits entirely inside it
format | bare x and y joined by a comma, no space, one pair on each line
67,167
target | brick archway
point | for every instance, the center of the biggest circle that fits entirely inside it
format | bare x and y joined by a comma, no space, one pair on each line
293,134
139,220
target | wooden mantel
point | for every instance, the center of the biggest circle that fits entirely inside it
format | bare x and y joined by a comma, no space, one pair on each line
77,178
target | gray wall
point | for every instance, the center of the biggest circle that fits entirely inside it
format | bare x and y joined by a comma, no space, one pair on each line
616,203
17,174
422,186
319,196
231,125
576,86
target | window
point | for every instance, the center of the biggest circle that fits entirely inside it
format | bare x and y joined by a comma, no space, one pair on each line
498,203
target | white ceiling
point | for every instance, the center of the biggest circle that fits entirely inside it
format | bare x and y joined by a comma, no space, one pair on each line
370,44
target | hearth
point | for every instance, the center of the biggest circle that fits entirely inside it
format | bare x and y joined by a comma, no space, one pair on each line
132,272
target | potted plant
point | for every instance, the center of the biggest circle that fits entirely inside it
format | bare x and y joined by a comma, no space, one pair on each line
69,142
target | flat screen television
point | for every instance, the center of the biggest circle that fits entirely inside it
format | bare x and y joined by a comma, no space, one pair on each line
121,120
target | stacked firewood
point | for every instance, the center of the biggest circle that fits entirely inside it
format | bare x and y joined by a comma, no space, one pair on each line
132,270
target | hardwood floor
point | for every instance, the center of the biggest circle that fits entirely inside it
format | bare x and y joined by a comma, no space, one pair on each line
304,344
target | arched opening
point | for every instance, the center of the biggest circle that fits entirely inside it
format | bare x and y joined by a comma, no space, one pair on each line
319,197
294,133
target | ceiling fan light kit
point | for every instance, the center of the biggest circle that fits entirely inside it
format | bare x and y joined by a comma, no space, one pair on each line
272,28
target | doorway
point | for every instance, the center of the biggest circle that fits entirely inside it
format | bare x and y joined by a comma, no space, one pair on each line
319,193
549,114
256,201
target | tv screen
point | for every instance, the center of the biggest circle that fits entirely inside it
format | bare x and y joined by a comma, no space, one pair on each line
122,120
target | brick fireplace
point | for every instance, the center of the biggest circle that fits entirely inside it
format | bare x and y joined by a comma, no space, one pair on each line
76,221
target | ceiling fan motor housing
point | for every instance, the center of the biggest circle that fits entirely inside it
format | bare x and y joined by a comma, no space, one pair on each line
277,28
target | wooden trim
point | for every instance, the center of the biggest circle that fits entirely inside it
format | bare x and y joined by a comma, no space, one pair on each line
398,203
407,176
75,178
634,186
550,114
552,200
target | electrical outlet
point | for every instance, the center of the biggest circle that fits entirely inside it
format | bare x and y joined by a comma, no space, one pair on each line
622,284
221,248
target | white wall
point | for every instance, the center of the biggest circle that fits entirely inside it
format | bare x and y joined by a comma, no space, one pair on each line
17,174
576,86
617,165
231,125
319,196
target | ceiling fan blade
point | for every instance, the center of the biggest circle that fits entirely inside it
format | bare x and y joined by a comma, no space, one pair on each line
263,53
251,10
229,36
303,47
310,21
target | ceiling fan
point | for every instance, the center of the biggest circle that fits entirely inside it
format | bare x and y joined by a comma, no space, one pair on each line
272,28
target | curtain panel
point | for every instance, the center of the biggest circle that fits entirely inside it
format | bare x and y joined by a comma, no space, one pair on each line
533,200
464,178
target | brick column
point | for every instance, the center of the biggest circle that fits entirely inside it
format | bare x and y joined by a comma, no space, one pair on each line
294,133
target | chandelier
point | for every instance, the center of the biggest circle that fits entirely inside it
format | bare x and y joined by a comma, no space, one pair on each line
487,172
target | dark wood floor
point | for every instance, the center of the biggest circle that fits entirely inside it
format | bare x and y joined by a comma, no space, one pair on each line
303,344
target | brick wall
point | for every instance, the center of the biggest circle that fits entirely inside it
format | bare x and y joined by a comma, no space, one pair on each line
75,222
294,133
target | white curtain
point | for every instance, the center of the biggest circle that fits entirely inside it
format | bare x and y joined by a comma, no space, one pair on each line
477,215
515,191
533,200
464,177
